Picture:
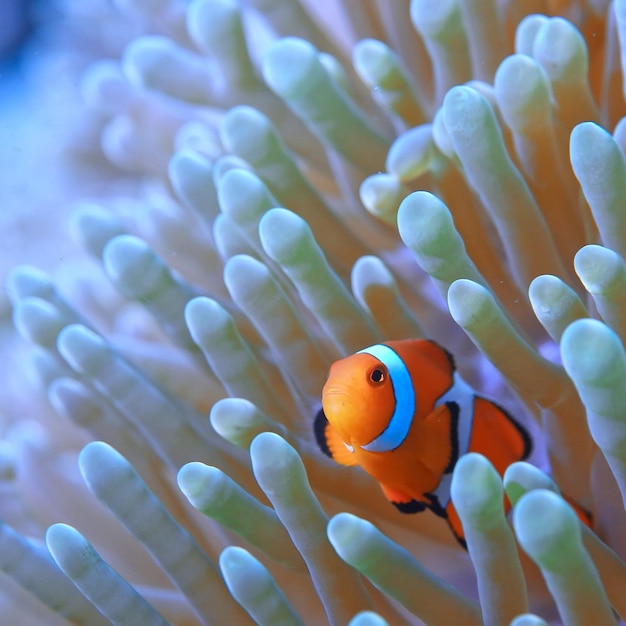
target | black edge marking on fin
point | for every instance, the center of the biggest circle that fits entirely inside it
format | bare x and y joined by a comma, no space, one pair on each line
587,514
413,506
528,442
319,428
583,514
449,355
435,506
439,511
453,407
461,541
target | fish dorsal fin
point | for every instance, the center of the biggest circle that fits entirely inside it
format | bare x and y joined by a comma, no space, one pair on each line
427,350
492,424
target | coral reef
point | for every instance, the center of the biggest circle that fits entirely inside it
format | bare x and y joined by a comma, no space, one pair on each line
258,188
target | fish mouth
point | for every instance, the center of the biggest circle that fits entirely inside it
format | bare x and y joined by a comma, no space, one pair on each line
335,400
336,391
338,405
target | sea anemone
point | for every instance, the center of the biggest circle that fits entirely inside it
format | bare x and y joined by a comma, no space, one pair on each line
259,188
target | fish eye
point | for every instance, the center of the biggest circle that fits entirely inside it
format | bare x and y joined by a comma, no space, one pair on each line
377,375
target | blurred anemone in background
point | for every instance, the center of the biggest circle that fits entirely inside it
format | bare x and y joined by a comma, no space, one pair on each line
216,199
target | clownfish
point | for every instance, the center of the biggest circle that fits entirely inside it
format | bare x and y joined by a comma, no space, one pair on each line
402,412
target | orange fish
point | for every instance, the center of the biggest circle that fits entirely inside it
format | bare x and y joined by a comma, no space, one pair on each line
402,412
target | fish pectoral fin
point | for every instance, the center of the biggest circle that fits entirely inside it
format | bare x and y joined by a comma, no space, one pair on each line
330,442
340,453
402,501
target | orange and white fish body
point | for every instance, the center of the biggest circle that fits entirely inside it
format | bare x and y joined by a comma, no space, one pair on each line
402,412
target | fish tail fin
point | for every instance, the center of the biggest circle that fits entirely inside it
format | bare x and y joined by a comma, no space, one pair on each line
330,443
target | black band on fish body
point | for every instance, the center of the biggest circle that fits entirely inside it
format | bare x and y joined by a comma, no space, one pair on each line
453,407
